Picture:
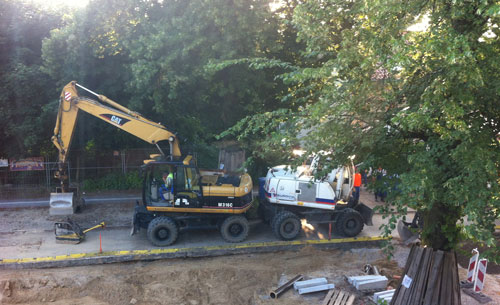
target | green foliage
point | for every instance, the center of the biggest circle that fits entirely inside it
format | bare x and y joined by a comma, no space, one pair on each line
152,57
23,25
114,181
423,105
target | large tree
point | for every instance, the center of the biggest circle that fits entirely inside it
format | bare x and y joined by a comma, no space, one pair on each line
23,26
423,104
152,56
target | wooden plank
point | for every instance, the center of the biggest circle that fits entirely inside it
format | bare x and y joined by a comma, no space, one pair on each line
334,297
420,277
455,285
339,298
329,295
444,298
432,283
407,267
412,272
421,284
344,298
409,295
351,299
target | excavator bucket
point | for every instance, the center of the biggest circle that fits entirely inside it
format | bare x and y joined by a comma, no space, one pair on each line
406,234
62,203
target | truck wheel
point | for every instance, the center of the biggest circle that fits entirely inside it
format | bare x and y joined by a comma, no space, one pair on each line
286,225
349,223
162,231
234,229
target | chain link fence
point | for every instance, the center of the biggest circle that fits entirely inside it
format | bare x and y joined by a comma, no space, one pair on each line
91,171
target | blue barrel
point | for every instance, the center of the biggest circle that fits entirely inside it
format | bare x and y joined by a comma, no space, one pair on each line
262,192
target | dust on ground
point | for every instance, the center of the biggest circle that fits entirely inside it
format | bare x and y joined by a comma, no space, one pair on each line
238,279
235,279
38,219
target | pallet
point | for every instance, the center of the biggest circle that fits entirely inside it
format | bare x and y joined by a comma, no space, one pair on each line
339,297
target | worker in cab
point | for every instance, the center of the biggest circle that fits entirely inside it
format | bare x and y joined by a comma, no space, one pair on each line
167,189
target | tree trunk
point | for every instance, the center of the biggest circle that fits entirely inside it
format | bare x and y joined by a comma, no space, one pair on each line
440,230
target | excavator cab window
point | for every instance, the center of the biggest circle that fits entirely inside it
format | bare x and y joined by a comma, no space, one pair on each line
187,182
155,184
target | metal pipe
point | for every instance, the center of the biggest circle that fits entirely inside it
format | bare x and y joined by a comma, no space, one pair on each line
278,291
88,90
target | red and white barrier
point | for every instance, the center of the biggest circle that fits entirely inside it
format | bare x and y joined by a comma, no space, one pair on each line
471,273
480,275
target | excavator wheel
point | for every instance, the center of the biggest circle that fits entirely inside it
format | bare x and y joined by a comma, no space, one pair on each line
286,225
234,229
349,222
162,231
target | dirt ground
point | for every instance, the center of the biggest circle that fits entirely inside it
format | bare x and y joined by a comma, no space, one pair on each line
238,279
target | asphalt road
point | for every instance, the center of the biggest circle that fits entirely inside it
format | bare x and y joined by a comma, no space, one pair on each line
35,203
27,229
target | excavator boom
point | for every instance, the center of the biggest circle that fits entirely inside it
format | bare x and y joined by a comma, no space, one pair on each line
113,113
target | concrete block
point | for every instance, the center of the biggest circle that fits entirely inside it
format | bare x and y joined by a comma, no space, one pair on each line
382,294
309,283
351,279
379,283
316,288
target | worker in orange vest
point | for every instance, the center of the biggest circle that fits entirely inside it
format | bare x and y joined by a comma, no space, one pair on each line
357,185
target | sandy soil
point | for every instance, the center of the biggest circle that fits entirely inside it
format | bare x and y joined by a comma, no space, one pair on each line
239,279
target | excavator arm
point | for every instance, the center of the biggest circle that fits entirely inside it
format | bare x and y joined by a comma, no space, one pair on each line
113,113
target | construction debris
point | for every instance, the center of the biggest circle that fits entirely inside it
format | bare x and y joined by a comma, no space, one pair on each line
369,269
386,295
316,288
368,282
478,296
339,297
310,283
278,291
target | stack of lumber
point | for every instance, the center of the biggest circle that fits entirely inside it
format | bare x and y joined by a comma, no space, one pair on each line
430,277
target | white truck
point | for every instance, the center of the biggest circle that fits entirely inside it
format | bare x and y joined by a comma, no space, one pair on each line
290,195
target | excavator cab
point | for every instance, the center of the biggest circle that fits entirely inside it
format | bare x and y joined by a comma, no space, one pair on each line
171,184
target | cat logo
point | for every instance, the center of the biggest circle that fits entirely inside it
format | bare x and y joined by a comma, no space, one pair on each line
115,119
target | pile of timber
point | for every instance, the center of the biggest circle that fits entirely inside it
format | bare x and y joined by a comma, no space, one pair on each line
430,277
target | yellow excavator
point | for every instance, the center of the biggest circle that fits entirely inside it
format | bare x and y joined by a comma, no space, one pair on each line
176,195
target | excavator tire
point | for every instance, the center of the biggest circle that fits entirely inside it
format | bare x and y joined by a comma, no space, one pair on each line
234,229
349,223
286,225
162,231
